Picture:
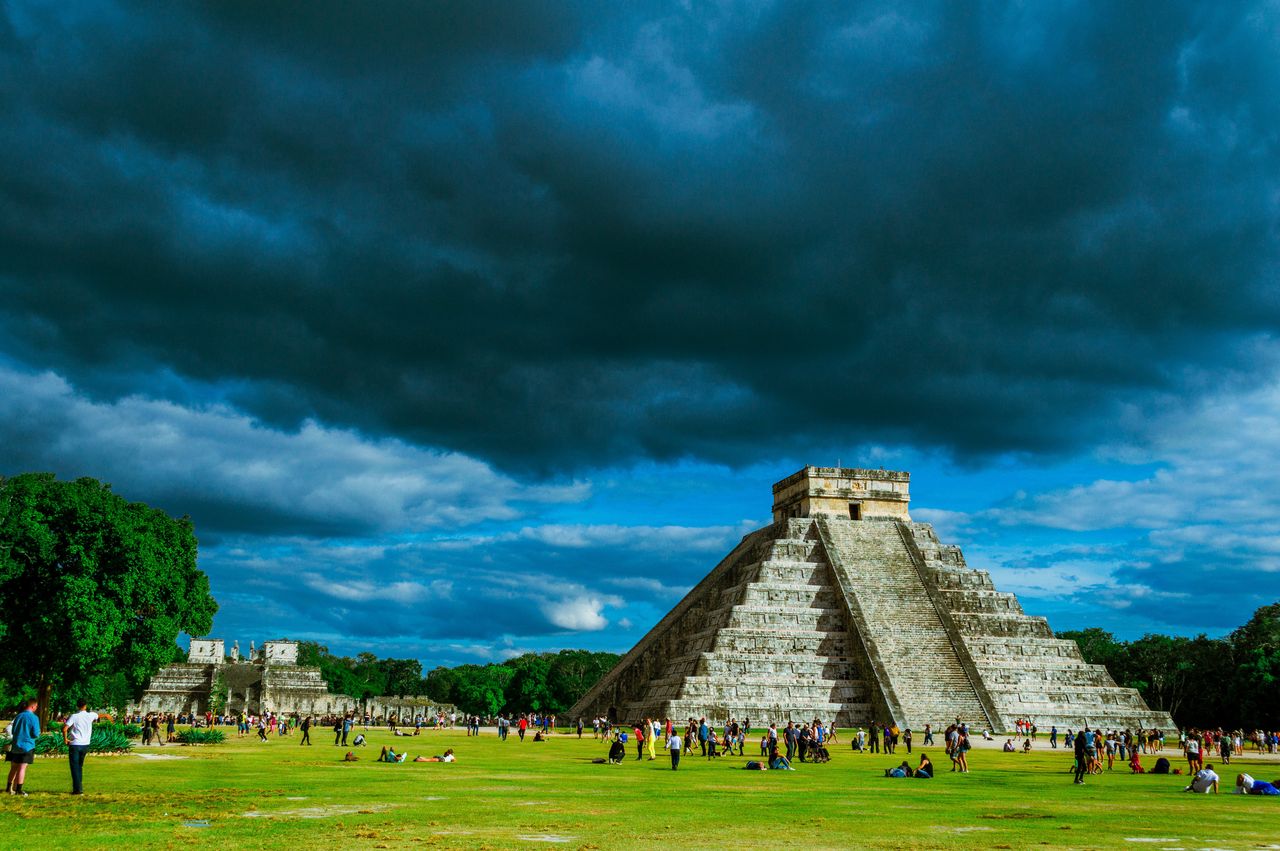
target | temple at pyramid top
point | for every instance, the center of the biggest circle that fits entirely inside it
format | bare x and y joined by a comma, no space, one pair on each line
843,492
845,610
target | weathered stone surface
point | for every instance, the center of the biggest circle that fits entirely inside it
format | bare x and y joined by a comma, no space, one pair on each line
270,680
847,611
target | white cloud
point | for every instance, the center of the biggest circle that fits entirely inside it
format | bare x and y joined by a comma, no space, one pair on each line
655,538
581,613
183,457
360,591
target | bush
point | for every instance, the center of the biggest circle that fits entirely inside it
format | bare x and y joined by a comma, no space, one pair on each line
107,738
196,736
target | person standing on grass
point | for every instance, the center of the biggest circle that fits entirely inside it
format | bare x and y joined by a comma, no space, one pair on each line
675,744
962,752
347,722
1082,758
928,735
522,726
649,734
78,732
22,748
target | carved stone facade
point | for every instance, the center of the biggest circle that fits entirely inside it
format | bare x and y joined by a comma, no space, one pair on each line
846,610
269,680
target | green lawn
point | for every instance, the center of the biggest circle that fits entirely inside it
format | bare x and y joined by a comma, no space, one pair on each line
280,795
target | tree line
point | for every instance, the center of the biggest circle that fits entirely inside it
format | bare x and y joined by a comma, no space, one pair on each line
532,682
1232,682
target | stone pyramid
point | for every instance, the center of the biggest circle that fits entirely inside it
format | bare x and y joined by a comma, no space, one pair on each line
845,610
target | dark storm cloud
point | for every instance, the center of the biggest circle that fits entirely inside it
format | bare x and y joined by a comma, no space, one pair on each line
547,236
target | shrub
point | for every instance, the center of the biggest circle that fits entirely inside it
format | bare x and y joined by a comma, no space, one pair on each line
196,736
107,738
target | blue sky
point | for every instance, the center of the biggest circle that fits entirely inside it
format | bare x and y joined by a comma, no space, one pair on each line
462,330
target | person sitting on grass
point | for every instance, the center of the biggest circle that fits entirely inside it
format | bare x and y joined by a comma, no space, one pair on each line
1135,762
1206,781
617,752
924,771
778,762
350,757
389,755
359,740
1161,766
1246,785
537,736
1008,746
1026,746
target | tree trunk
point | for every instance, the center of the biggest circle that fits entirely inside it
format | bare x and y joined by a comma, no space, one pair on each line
43,690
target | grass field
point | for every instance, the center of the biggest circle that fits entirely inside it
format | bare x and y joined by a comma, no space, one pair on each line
279,795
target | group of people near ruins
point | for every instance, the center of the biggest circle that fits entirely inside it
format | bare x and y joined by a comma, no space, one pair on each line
77,734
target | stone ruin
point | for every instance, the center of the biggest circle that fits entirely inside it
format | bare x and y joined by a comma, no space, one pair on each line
268,680
845,610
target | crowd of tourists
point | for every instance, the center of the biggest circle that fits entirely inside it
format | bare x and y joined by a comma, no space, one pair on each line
1093,751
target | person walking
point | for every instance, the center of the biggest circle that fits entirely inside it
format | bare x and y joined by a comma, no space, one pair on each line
674,744
78,732
306,731
22,748
1082,758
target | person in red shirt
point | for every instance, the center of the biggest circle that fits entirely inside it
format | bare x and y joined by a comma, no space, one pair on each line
639,742
522,726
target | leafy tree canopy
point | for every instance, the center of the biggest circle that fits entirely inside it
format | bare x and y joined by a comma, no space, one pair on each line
92,587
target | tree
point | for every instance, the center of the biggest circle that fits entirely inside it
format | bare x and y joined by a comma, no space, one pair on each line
573,673
1097,646
441,683
1255,683
403,676
527,691
482,689
91,583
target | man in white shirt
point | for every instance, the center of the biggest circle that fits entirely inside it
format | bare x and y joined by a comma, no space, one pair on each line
675,744
1205,781
78,732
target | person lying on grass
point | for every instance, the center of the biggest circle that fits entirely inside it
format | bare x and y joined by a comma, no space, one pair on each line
389,755
447,756
1246,785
